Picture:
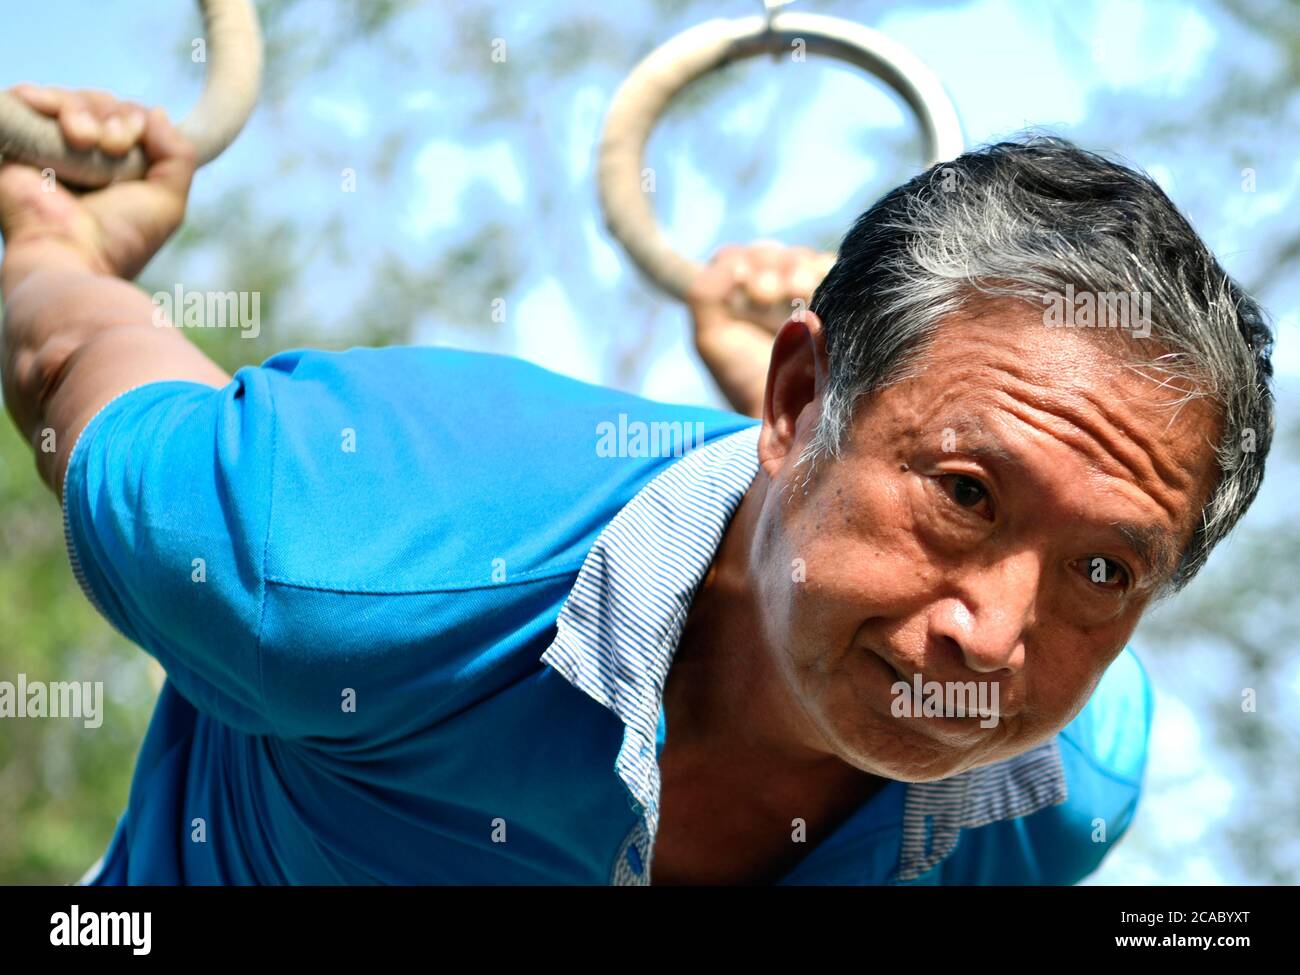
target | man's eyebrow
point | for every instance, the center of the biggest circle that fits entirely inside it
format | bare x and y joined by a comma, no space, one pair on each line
1154,545
986,448
972,439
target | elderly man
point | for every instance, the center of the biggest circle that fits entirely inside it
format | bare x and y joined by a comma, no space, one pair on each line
436,616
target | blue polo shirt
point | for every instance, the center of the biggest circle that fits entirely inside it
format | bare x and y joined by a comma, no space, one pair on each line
416,607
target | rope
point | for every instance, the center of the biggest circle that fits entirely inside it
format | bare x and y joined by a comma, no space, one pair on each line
652,85
234,58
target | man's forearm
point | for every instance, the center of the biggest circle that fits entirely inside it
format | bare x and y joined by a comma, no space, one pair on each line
54,303
43,281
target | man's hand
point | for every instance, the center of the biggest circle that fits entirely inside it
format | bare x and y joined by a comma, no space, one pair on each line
738,304
75,335
116,230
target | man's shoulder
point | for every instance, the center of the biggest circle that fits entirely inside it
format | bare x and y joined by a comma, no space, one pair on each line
428,467
487,395
451,379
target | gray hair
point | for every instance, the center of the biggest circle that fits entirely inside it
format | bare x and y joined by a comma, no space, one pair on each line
1033,218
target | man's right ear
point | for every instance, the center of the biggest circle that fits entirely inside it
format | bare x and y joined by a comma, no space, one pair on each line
796,380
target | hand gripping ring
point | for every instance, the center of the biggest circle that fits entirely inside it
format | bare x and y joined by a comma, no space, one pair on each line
234,57
652,85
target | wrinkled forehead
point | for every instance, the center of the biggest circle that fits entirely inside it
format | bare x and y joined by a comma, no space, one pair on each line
999,375
1125,379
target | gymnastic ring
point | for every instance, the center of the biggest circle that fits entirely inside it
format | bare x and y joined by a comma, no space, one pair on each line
233,49
647,91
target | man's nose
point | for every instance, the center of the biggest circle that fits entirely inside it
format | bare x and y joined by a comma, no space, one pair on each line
988,615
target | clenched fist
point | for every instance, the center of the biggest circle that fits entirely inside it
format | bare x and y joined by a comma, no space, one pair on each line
118,229
740,301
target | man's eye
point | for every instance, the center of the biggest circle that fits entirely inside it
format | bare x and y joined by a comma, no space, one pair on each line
1105,573
964,490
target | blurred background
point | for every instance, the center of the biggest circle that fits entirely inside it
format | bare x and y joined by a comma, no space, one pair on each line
475,195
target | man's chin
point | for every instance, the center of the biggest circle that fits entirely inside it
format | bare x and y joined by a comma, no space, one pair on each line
922,750
910,750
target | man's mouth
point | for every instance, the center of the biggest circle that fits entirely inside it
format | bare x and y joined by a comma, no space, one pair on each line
919,696
898,672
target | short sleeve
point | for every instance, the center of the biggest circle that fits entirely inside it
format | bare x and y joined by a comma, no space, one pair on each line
165,513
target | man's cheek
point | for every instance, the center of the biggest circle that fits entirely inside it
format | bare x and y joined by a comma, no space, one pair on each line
1060,687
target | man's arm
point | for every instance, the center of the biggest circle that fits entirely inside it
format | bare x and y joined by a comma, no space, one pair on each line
75,339
75,335
740,301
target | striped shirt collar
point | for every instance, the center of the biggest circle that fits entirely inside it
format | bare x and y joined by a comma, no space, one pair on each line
618,630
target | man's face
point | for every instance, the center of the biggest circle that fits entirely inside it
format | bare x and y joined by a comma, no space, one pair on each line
1004,517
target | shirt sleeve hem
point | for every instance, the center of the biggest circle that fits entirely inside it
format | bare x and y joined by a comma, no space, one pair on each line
69,537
